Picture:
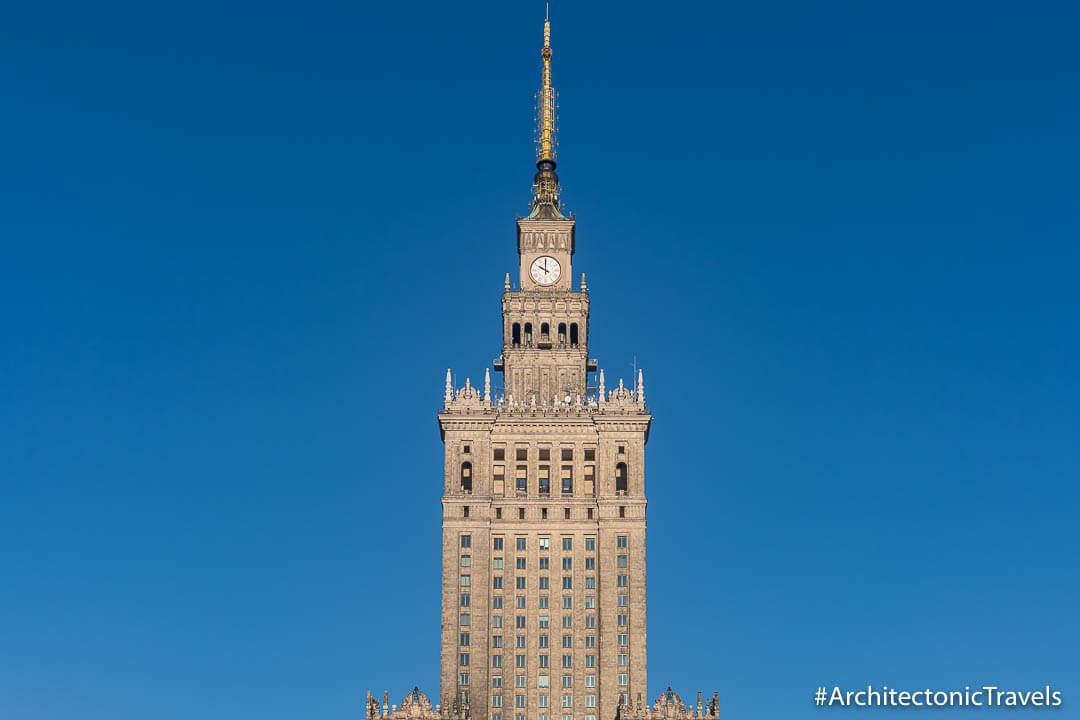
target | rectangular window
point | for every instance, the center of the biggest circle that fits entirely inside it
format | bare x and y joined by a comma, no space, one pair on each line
567,661
543,661
567,563
622,561
545,562
620,541
466,541
496,661
520,543
521,479
544,543
519,641
590,480
567,602
500,453
544,479
590,563
568,641
590,621
519,602
544,582
590,701
520,583
590,583
624,679
519,621
624,659
463,659
519,701
497,543
545,620
590,661
568,681
590,602
567,582
568,543
624,620
496,621
542,681
464,600
543,641
522,453
496,582
519,661
465,580
519,563
496,701
590,454
496,681
464,619
567,453
463,639
567,701
496,602
496,641
590,641
498,479
545,453
543,602
623,581
542,701
568,621
622,600
466,561
590,544
496,563
567,478
624,639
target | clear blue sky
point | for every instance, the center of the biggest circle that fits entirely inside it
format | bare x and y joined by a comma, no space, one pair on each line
242,242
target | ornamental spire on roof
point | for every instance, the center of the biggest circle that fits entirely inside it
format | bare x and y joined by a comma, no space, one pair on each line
546,183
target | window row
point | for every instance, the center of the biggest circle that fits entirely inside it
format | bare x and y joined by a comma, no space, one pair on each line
543,479
522,334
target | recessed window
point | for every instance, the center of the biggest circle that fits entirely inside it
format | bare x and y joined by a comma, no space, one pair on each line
497,543
622,511
589,513
620,541
568,453
465,449
465,511
498,513
521,513
500,453
523,453
590,454
545,453
566,513
543,513
466,541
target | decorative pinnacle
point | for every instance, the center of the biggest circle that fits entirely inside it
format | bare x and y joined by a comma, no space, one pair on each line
448,393
640,387
506,283
487,385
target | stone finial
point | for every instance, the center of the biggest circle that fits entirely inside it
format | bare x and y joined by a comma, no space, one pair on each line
385,703
506,283
640,387
699,703
603,392
583,285
448,394
487,385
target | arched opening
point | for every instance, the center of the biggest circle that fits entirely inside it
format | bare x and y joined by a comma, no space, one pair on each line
515,334
466,477
620,477
528,333
573,334
562,333
544,331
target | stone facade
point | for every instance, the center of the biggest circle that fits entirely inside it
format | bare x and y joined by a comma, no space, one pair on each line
543,527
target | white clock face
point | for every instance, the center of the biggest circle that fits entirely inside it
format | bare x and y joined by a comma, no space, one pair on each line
545,270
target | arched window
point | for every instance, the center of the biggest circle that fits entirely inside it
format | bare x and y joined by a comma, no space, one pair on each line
620,477
515,334
544,330
573,334
562,333
528,333
466,477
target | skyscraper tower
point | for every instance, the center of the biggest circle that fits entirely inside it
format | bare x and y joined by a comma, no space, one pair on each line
543,594
543,529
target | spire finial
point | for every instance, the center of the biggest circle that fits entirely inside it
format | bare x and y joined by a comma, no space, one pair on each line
640,387
448,393
546,182
487,385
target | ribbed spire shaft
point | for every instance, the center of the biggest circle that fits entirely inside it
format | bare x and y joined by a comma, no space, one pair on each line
546,182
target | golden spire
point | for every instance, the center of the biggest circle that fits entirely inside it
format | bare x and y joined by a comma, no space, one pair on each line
546,183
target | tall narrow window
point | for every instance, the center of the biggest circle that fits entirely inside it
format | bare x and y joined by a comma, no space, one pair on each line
620,477
562,333
573,334
590,479
567,479
497,479
522,479
545,480
528,333
515,334
466,477
544,330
